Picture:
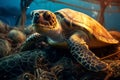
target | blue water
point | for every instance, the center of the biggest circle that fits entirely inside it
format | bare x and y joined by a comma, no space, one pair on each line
10,10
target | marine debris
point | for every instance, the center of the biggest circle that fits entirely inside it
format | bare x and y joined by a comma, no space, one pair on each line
17,36
5,48
22,18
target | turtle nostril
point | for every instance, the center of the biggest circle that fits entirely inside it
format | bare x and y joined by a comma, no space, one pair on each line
47,16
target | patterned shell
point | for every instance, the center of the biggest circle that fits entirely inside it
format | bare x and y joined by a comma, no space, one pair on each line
89,24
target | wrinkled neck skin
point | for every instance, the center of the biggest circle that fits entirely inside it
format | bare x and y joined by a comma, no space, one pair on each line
55,36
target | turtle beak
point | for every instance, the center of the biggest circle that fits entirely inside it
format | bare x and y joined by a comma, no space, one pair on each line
43,18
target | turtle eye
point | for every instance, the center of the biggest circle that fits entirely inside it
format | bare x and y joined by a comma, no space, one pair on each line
36,14
32,13
47,16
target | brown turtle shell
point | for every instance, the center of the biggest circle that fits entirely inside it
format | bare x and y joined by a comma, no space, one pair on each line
89,24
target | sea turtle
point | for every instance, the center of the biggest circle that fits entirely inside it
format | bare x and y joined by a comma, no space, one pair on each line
78,30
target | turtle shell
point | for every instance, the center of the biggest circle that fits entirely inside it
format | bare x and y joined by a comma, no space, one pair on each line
89,24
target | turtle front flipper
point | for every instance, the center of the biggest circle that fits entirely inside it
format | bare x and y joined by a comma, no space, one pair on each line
31,41
83,55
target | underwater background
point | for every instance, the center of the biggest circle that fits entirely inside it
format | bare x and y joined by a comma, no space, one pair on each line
27,55
10,10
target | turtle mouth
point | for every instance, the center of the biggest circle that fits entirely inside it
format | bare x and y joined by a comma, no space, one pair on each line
45,19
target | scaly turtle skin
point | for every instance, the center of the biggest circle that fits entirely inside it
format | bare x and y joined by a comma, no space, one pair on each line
78,30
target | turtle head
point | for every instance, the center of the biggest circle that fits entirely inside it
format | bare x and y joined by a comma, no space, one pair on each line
43,20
